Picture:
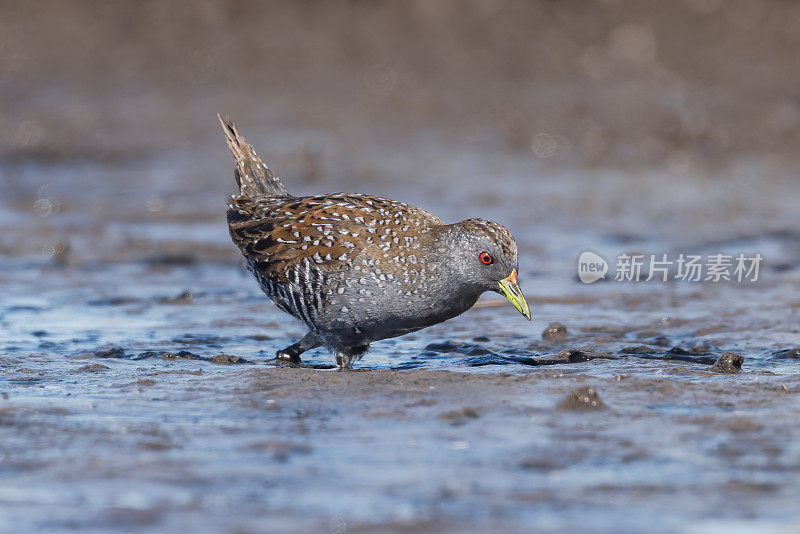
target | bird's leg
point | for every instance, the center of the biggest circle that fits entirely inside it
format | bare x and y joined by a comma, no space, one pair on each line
292,352
343,361
345,357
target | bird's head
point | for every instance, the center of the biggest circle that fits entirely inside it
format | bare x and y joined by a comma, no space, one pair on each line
483,255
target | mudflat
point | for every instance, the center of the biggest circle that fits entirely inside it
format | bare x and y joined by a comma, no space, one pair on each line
137,386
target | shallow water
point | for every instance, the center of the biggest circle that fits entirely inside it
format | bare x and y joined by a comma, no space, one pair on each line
151,267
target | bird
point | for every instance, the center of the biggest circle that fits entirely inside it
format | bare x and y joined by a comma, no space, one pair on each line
357,268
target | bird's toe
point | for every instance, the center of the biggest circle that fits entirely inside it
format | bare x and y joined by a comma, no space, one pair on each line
288,357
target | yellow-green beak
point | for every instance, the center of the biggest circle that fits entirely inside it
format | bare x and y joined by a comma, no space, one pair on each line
509,288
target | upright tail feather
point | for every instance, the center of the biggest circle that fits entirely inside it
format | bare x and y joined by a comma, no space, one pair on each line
252,175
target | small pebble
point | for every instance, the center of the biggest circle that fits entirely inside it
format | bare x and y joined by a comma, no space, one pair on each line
788,353
227,359
459,417
92,368
180,355
184,298
573,356
729,363
582,399
556,332
61,253
111,352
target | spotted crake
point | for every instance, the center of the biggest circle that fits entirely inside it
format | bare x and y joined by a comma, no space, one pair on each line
358,268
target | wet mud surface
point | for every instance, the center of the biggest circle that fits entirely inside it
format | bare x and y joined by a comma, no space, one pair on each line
138,389
187,444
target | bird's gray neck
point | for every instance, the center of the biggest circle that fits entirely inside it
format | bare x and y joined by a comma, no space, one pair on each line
459,293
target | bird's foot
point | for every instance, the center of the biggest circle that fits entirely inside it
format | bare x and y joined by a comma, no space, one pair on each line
291,354
288,356
343,361
350,355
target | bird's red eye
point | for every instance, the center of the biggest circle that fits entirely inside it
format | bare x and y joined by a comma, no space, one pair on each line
486,258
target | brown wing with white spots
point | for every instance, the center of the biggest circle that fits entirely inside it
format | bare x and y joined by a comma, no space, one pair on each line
330,230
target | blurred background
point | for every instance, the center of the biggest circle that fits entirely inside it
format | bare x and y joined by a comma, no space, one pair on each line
109,109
